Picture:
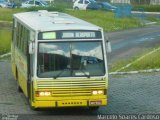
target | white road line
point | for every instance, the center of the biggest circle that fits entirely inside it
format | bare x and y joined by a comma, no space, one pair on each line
128,65
5,55
152,38
135,72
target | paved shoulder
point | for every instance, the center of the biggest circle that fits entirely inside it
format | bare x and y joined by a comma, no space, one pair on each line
128,94
134,94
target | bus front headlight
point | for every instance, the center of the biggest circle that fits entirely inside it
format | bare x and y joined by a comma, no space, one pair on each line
43,93
98,92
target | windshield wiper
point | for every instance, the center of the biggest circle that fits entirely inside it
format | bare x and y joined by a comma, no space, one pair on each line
55,77
88,76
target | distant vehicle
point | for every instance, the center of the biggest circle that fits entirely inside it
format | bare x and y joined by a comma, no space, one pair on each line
85,4
93,6
3,4
31,3
106,6
11,5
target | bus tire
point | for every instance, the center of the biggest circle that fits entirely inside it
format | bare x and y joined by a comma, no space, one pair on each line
95,108
33,108
18,87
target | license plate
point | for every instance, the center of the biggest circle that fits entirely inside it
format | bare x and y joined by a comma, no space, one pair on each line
95,102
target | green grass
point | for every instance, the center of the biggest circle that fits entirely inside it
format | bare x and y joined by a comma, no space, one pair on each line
148,8
5,38
151,61
6,14
121,63
63,4
106,20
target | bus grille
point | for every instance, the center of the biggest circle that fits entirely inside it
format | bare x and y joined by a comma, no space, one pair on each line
62,88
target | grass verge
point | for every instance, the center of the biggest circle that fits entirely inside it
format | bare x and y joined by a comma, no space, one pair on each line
6,14
148,8
106,20
5,38
150,61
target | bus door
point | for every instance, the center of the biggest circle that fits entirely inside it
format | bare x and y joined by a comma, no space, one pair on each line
29,73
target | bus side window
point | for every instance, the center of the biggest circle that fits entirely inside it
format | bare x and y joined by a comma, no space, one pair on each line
17,32
26,37
19,36
13,30
22,39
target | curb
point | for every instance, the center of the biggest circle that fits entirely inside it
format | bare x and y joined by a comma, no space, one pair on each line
154,13
150,23
5,22
5,55
135,72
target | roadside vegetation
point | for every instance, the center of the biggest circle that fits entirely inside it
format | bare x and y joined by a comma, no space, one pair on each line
148,8
6,14
107,20
150,61
5,38
104,19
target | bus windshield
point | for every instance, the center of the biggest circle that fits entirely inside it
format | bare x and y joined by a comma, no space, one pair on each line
70,59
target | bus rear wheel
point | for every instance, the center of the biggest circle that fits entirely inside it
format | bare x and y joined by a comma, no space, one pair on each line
18,87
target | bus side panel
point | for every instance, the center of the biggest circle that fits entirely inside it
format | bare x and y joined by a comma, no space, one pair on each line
21,64
13,65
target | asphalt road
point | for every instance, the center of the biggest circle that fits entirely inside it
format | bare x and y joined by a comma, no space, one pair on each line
130,43
128,94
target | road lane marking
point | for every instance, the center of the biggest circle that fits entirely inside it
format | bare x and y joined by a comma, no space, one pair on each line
5,55
135,72
128,65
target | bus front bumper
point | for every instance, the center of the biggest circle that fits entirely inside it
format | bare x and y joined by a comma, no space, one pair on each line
70,103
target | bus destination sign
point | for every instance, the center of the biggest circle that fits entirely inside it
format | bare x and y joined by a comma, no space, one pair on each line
69,35
78,34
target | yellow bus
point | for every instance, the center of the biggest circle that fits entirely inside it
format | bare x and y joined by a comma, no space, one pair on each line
59,60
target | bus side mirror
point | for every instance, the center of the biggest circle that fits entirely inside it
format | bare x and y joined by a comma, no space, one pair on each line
31,48
108,47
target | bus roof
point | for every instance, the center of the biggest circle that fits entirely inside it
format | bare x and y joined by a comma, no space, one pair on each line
49,21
